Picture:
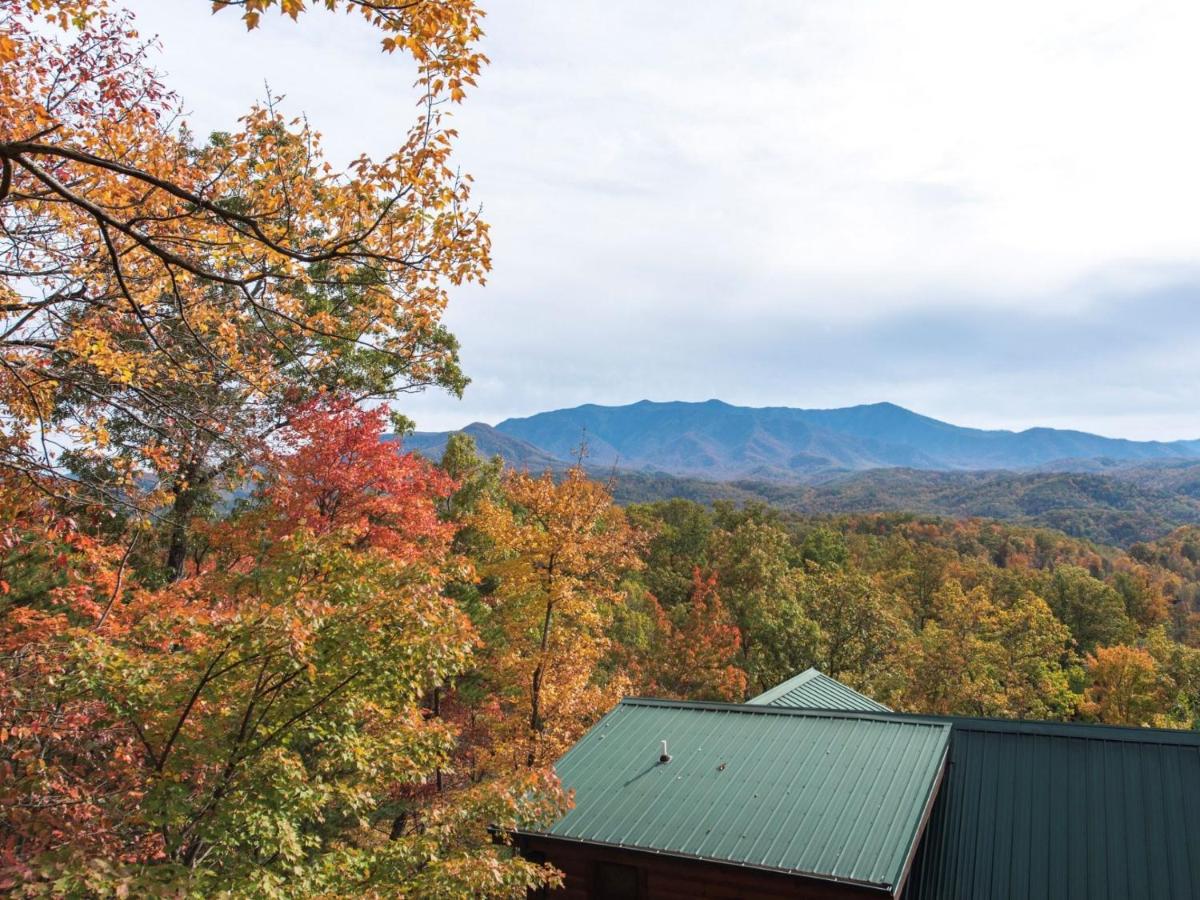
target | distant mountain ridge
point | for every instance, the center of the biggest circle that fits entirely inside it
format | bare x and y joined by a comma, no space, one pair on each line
489,442
717,441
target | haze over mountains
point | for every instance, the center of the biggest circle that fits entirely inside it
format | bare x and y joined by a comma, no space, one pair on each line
717,441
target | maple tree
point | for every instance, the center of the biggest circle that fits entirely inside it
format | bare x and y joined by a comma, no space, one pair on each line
60,767
696,657
342,473
558,552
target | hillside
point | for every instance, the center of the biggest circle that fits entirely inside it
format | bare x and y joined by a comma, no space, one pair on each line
862,459
717,441
1122,508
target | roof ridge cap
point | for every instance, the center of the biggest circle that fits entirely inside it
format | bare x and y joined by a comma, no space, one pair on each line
1095,731
798,711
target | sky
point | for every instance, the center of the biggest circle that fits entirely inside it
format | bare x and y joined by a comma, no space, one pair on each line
985,213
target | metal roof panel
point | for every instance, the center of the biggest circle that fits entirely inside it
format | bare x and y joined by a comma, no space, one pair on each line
825,794
813,689
1063,811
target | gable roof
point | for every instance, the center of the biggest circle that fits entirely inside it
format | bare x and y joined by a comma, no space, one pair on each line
813,689
824,794
1050,810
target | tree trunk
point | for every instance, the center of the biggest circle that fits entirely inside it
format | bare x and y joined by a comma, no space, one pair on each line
535,693
182,509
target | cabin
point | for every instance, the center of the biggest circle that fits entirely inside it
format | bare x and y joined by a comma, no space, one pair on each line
812,790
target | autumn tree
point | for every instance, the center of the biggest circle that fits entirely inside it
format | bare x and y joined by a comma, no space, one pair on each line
166,302
916,572
558,552
976,657
340,473
1125,686
181,317
1143,597
1035,661
64,776
697,649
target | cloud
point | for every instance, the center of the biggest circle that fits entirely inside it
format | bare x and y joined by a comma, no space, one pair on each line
984,214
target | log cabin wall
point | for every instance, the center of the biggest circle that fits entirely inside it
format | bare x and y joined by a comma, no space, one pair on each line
610,873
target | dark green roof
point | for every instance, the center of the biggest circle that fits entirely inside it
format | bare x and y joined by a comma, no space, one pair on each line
1063,811
826,794
812,689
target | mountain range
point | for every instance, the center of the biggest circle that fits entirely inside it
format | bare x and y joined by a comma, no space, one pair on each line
720,442
862,459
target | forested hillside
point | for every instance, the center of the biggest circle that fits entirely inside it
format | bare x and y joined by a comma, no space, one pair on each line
1116,507
718,441
877,458
926,614
975,618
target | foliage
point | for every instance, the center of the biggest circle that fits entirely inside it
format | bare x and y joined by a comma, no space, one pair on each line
166,302
223,638
754,561
857,622
1093,610
696,656
558,552
251,648
1125,687
952,617
260,725
976,656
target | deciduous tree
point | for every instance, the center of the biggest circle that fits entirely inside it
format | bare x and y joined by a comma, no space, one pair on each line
559,551
167,301
697,649
1093,610
1125,686
977,657
859,624
755,566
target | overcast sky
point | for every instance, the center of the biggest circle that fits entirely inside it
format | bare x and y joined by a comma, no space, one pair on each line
986,213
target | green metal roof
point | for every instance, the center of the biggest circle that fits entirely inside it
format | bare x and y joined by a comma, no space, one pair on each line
813,689
1057,812
827,794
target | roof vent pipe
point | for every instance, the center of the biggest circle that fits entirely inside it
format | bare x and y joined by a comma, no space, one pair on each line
664,756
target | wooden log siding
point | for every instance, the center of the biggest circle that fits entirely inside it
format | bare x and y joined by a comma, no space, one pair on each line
662,877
